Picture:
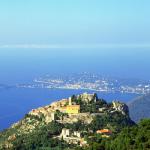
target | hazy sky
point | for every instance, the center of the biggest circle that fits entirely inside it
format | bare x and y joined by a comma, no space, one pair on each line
74,22
82,29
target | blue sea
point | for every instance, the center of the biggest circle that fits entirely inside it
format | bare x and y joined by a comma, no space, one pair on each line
23,65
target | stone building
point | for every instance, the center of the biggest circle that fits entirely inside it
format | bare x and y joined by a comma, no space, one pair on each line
88,97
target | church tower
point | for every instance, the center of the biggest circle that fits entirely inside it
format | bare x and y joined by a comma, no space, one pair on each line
70,101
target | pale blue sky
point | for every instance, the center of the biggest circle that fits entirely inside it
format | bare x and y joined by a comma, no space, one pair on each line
74,22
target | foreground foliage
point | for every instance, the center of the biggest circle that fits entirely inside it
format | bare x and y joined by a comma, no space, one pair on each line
130,138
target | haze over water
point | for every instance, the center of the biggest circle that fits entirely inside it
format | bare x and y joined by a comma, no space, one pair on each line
23,65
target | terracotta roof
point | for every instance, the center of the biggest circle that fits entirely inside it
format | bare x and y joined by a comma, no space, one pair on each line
104,131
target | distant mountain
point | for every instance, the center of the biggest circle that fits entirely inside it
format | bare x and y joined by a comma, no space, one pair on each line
140,108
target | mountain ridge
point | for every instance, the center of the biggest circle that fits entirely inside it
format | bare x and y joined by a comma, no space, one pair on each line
139,107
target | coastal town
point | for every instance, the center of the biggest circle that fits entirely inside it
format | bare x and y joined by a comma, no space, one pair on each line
93,82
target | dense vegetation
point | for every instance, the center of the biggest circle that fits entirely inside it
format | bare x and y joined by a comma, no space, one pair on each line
131,138
42,138
115,122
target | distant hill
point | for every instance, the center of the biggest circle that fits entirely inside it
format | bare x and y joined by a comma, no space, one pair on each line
140,108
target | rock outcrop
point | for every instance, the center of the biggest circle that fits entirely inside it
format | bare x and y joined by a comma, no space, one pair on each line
121,107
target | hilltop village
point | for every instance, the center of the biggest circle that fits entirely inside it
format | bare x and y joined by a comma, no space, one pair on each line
78,118
71,112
